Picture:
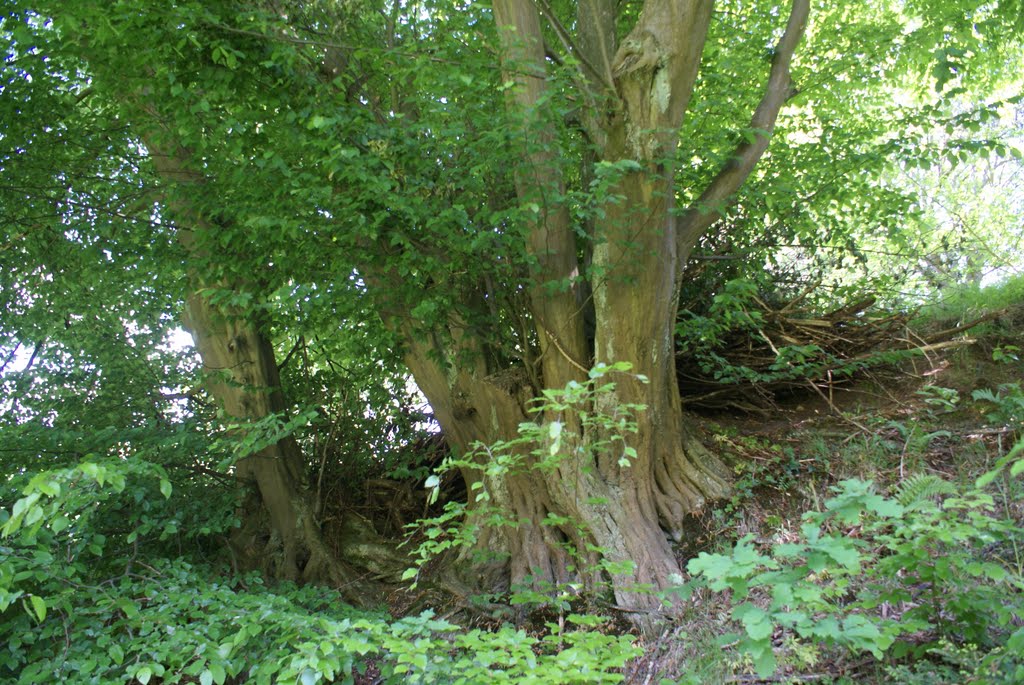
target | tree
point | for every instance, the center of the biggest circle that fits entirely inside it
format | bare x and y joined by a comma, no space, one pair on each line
505,186
635,94
233,340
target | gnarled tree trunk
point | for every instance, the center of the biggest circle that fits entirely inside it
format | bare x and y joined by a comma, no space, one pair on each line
633,98
242,376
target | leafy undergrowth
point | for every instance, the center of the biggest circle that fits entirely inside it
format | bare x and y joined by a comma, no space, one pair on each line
865,542
179,624
874,536
77,605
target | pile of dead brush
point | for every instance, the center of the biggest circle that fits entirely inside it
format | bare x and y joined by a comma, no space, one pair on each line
773,350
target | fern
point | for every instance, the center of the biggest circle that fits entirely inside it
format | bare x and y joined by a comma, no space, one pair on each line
986,395
922,486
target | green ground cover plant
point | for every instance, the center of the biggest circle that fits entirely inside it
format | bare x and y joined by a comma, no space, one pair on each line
939,558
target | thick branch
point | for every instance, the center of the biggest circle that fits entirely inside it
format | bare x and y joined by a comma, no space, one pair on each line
710,207
550,239
655,69
597,41
586,67
10,357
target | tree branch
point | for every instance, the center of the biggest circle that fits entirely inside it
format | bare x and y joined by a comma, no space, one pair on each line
596,20
32,359
549,237
570,47
11,356
710,206
301,340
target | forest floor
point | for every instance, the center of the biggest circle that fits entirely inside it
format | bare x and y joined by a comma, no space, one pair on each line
885,426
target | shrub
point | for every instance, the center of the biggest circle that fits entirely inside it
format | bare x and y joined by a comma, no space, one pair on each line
945,563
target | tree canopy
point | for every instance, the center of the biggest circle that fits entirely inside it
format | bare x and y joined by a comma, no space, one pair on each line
500,222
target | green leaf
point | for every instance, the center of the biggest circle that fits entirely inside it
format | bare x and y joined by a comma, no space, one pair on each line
885,507
792,619
60,523
1017,468
826,629
23,505
765,663
318,122
144,674
165,488
712,566
433,487
986,478
206,677
51,488
38,606
842,551
555,436
756,622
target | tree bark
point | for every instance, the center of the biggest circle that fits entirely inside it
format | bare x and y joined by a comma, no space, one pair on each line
636,93
554,301
279,533
608,512
242,375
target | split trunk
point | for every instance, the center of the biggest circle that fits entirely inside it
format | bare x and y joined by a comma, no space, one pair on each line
595,514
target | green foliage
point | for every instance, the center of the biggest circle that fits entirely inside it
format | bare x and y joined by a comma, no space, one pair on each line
938,564
176,623
57,533
933,552
340,202
574,424
920,184
244,439
1006,411
970,301
922,486
75,608
446,531
1006,354
704,335
805,581
938,398
1006,405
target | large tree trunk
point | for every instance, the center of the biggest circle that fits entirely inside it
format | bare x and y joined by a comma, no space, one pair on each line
596,509
474,406
634,98
605,511
279,532
243,377
628,509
